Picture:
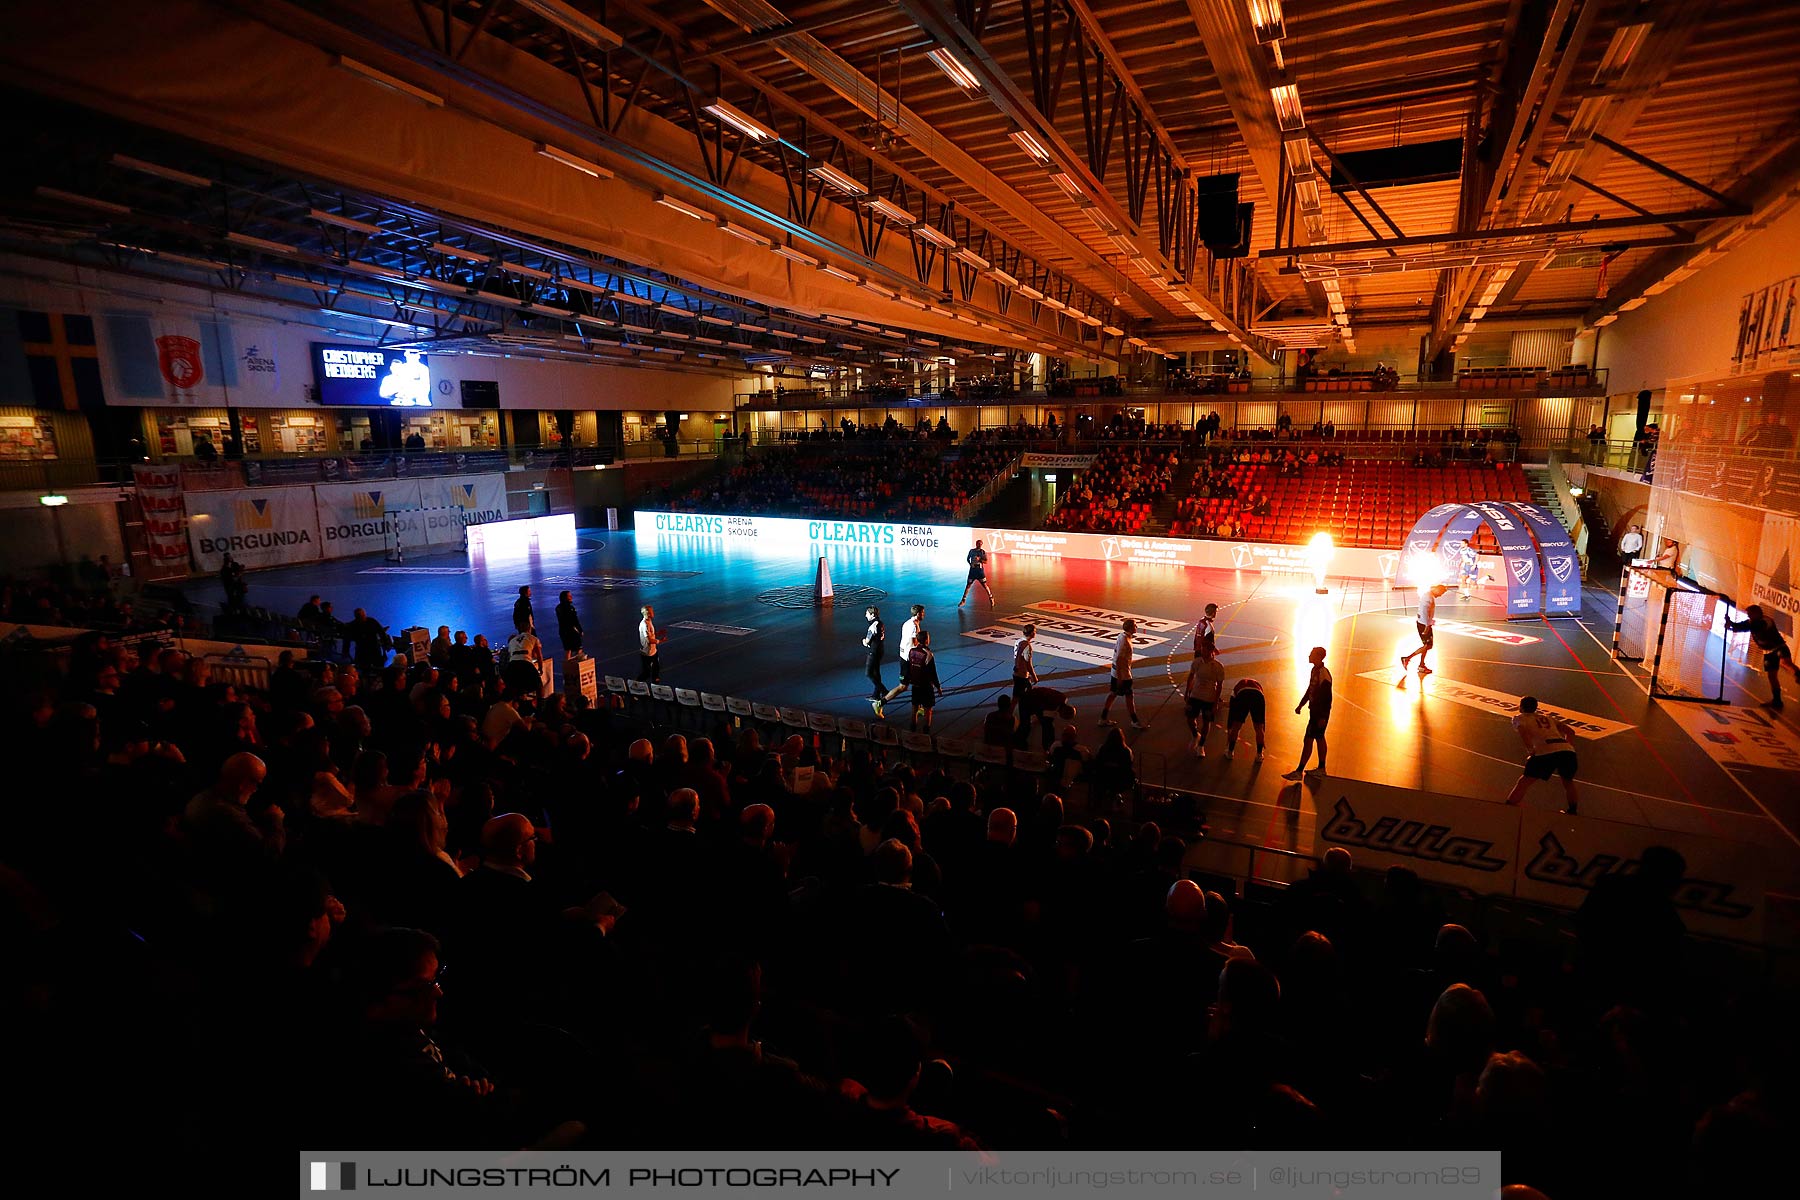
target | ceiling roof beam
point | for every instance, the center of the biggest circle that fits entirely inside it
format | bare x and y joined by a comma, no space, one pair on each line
1153,148
1509,233
1770,187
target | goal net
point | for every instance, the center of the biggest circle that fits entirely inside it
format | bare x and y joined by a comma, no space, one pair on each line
414,532
1670,624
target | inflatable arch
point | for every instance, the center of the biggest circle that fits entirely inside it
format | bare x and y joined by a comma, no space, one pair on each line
1543,572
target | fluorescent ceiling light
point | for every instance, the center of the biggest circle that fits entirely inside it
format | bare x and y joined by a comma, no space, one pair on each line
683,207
935,237
1030,145
831,177
556,154
1288,113
817,341
637,328
1299,155
883,292
392,82
892,212
1029,292
1053,302
50,193
972,259
743,122
575,21
1137,341
793,255
952,66
675,309
1112,331
839,273
458,252
256,243
999,276
1267,21
1071,187
161,172
850,346
1620,52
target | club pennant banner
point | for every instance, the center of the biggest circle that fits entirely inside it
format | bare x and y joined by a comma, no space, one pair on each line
190,360
260,527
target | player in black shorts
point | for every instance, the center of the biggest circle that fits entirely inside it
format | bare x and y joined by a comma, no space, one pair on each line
875,641
1246,705
977,574
1768,639
1318,696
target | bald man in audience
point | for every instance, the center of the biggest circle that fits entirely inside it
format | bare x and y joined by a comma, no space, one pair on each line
218,821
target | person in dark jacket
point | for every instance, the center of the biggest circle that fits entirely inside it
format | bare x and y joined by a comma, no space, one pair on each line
1775,650
522,610
568,625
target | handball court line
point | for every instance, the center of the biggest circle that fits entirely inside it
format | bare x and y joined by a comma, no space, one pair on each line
1729,774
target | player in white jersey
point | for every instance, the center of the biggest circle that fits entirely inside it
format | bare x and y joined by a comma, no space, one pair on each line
909,630
1551,750
1426,622
1119,684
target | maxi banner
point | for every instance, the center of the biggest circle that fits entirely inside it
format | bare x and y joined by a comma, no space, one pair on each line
480,499
359,518
165,527
260,527
1533,853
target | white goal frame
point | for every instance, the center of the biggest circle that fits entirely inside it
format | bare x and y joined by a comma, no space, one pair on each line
1660,642
395,545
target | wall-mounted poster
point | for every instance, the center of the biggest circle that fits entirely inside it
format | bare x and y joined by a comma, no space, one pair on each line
27,436
1768,326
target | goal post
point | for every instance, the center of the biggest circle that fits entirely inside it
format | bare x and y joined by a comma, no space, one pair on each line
409,530
1670,623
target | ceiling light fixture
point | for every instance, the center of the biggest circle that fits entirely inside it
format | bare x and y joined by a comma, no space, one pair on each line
973,259
1029,292
1267,21
793,255
999,276
743,122
1288,113
469,256
890,211
683,207
1030,145
391,82
953,67
839,273
831,177
1071,187
1626,40
555,154
161,172
50,193
935,237
578,23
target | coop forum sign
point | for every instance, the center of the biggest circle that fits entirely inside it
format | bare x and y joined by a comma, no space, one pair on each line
790,534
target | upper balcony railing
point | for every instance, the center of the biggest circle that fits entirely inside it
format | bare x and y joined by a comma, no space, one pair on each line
48,475
1471,382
